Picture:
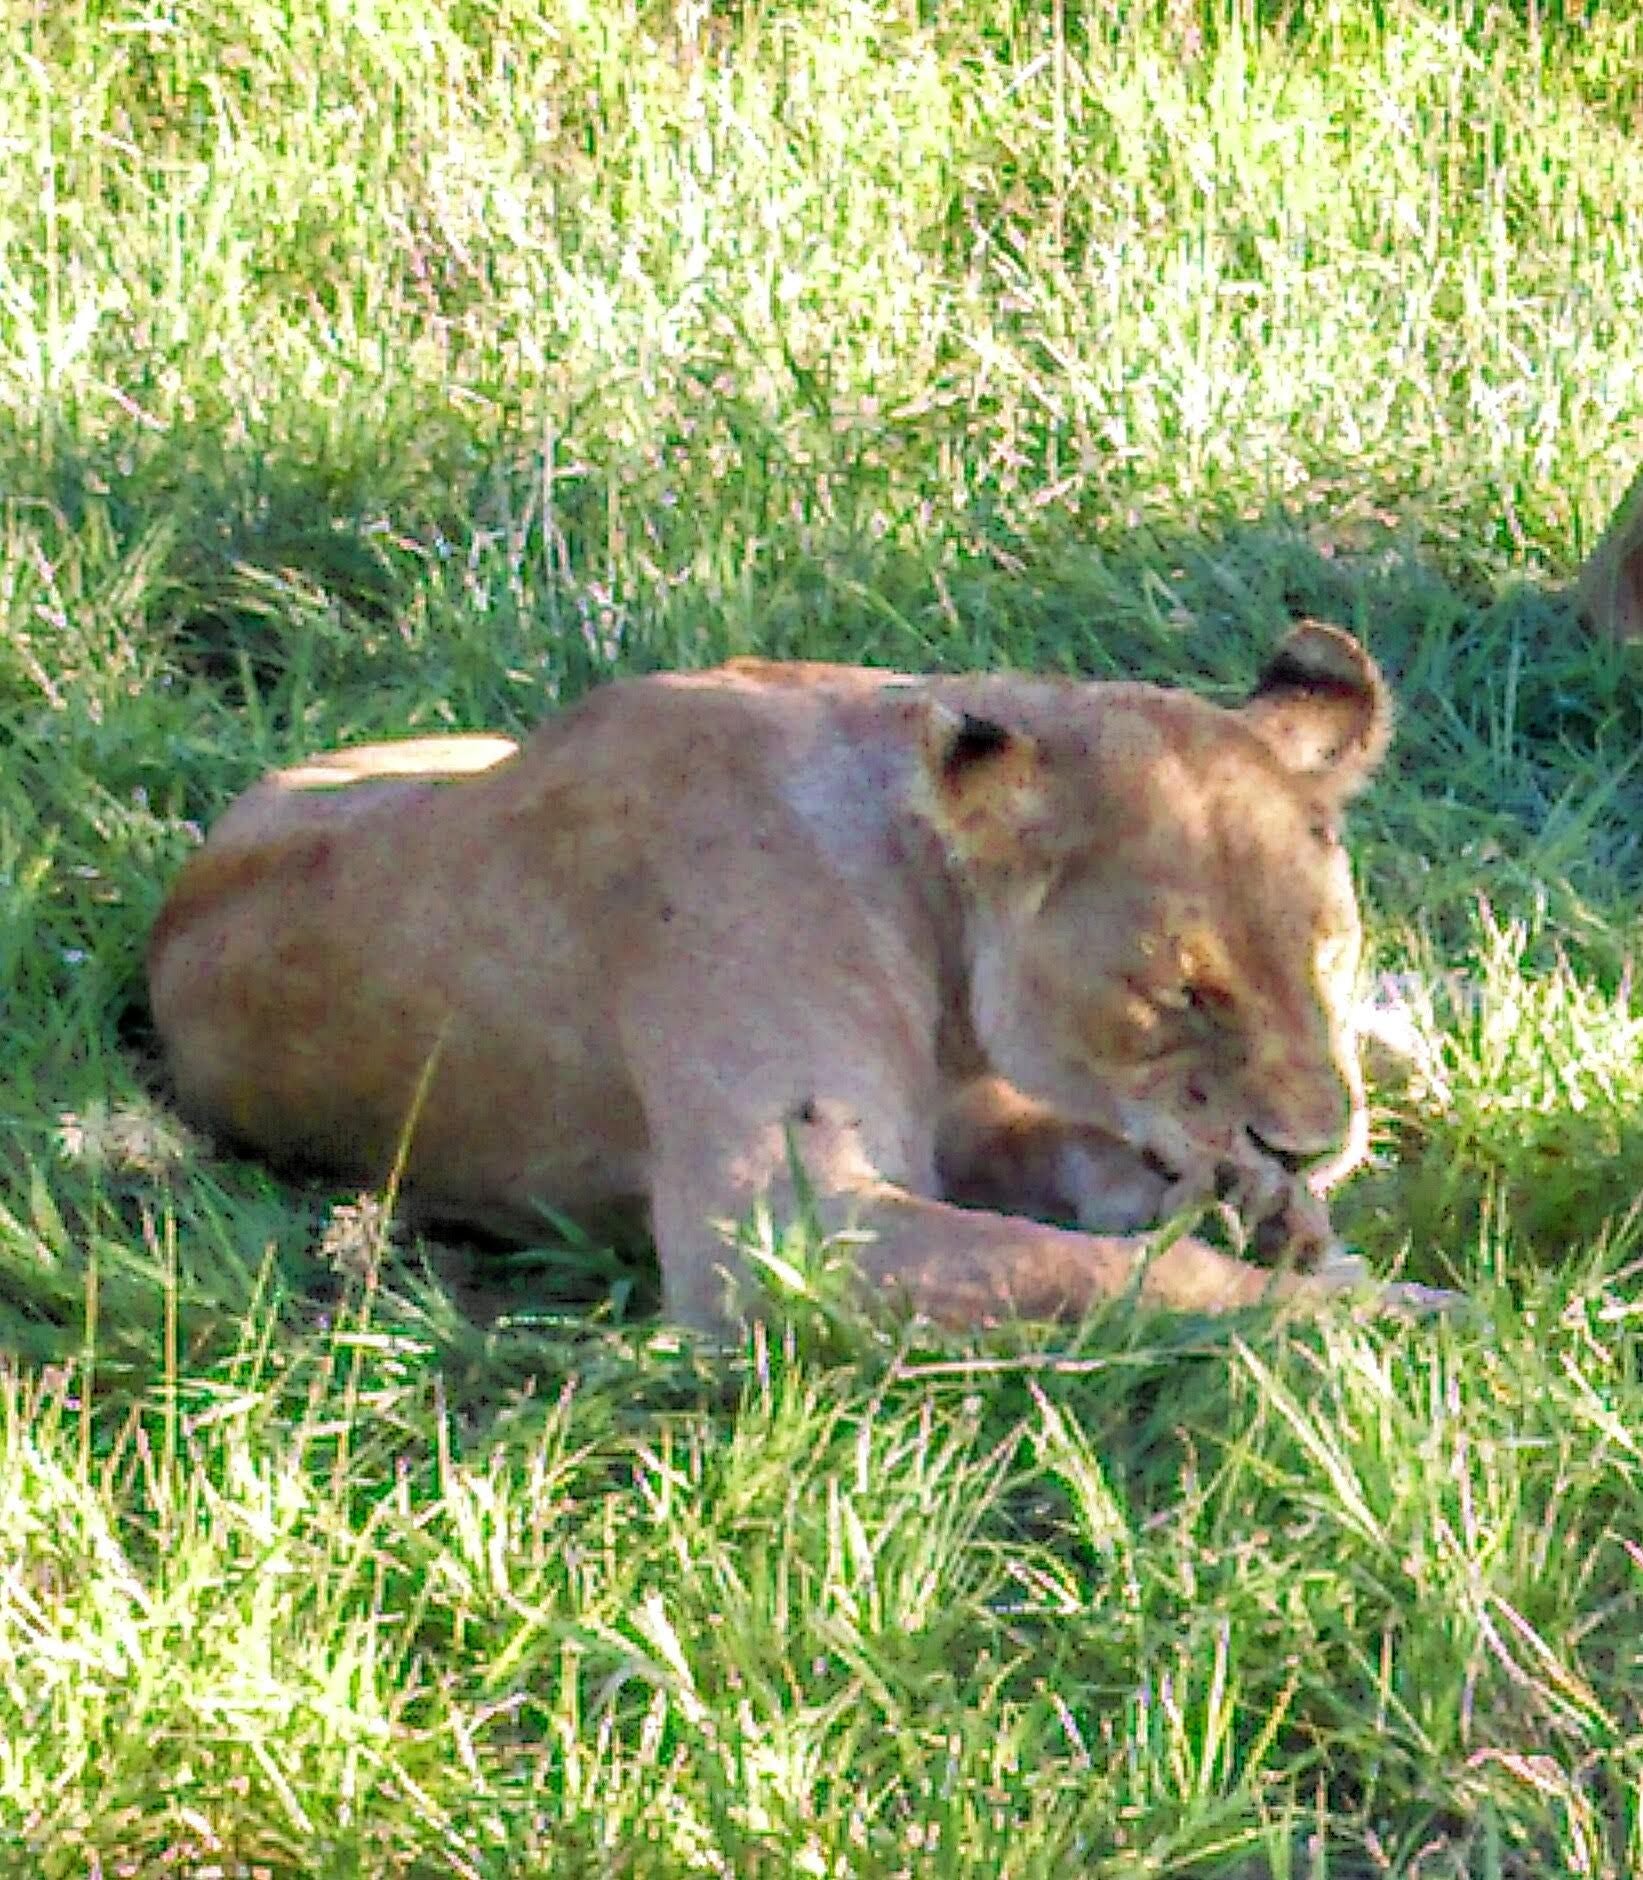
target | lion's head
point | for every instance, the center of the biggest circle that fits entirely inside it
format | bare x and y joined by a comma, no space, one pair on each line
1164,917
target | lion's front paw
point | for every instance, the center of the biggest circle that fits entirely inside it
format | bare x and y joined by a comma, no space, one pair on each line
1348,1274
1191,1173
1406,1298
1272,1214
1108,1188
1292,1228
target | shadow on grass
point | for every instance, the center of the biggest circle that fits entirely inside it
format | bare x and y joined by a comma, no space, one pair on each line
291,603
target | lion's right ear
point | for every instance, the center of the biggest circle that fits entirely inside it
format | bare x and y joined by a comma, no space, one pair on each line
1323,707
982,785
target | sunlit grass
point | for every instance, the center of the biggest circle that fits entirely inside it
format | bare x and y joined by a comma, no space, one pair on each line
375,368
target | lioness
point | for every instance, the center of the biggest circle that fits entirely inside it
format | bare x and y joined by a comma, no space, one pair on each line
1038,947
1609,587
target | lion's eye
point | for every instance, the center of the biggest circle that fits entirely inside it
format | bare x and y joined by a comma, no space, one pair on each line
1207,1001
1203,1001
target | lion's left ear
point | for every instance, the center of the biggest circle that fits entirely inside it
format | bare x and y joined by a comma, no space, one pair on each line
983,785
1324,708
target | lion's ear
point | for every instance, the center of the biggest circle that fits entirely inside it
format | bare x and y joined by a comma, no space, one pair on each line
1323,706
983,784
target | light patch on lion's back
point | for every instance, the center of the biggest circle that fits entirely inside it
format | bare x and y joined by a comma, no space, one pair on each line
338,787
425,760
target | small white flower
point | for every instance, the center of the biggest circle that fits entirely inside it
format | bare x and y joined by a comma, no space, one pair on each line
140,1137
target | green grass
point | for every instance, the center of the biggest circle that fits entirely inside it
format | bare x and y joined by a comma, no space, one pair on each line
376,367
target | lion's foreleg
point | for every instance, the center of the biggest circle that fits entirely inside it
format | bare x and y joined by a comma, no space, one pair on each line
999,1149
961,1267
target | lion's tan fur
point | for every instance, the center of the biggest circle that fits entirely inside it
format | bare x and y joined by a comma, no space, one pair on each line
1609,589
700,923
